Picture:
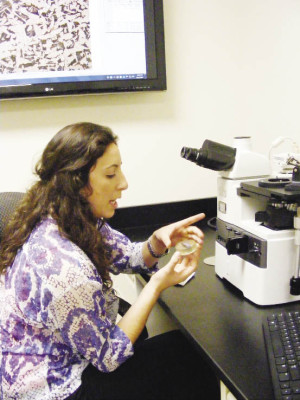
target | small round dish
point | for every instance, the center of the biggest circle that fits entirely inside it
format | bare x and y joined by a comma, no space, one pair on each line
186,246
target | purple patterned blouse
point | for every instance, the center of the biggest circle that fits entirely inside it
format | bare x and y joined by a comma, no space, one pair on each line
57,316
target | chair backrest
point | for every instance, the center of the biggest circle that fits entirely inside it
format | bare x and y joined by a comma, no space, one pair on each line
8,203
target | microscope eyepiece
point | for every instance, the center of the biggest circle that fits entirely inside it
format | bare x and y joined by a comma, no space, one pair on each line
212,155
189,154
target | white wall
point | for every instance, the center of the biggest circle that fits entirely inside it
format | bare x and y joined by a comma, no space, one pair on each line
233,69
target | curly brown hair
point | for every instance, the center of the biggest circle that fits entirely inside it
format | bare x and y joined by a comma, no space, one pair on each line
63,172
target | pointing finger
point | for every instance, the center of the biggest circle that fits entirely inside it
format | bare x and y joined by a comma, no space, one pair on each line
190,220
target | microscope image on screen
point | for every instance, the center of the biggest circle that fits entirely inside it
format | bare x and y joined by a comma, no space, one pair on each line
258,220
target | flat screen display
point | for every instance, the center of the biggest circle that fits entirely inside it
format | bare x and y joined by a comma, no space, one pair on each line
67,47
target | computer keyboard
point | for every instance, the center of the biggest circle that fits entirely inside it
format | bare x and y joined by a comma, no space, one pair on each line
282,339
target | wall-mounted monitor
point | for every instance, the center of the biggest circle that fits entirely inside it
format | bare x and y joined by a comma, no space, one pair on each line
72,47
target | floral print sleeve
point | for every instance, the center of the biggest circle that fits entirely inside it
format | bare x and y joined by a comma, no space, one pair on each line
56,318
81,318
126,255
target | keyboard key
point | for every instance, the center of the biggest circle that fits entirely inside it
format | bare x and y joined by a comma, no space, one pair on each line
277,345
285,385
295,372
280,317
286,391
282,338
288,352
285,376
274,328
282,368
280,360
291,356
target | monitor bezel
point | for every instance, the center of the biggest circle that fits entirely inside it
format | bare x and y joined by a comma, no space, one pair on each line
157,83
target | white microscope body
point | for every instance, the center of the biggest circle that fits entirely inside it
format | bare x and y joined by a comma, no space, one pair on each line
255,251
263,272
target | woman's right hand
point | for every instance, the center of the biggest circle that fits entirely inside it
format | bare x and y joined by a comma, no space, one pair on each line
176,270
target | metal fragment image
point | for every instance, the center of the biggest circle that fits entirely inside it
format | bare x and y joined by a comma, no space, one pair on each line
44,35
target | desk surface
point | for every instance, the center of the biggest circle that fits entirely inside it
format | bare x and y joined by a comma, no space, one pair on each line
225,327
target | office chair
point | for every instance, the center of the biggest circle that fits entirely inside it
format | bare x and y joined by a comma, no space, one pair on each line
8,203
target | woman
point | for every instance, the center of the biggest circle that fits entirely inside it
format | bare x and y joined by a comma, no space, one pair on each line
59,335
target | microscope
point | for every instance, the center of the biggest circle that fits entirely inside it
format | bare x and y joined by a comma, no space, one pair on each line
258,221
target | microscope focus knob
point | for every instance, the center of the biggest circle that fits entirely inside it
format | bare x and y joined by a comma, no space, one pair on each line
237,245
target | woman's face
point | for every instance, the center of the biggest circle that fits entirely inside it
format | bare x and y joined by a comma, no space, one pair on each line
106,181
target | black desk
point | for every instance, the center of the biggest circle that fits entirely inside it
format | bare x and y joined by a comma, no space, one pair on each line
225,327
